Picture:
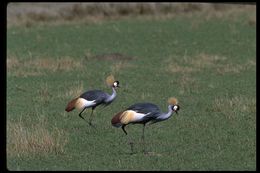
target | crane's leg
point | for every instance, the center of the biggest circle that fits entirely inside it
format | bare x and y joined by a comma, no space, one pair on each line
91,117
144,151
129,140
131,145
81,115
123,127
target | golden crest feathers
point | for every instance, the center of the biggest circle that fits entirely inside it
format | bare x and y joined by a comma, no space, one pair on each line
110,80
172,101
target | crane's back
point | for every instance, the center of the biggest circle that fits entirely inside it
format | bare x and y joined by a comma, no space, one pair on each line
144,108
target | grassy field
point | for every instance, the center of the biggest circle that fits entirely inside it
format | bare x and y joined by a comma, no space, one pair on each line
208,63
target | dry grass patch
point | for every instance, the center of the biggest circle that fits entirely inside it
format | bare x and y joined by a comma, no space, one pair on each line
231,106
252,20
120,61
74,91
12,62
25,73
34,139
113,57
53,64
39,66
15,67
206,61
228,11
187,84
29,14
44,95
176,68
186,65
119,66
236,68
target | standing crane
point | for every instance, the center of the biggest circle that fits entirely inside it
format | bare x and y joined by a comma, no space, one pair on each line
94,98
142,113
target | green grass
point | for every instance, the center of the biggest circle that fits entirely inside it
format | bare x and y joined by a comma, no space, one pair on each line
209,65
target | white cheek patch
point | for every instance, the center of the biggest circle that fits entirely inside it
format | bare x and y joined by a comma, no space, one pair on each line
175,108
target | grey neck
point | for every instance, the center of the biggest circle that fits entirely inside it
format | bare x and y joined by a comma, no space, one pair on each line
165,116
112,96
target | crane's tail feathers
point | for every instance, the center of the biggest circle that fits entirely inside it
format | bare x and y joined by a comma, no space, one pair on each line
172,101
71,105
110,80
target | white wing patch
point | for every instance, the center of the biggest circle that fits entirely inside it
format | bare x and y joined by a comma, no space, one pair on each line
138,116
82,103
131,116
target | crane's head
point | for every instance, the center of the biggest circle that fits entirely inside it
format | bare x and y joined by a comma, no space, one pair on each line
174,103
110,80
116,84
176,108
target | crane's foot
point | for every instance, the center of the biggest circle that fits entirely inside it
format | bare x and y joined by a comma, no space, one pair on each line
132,147
92,125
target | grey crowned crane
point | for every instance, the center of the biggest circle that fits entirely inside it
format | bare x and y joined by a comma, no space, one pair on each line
94,98
142,113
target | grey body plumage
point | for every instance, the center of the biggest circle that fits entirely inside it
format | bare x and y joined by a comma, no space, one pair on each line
150,109
99,96
154,114
94,98
143,113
